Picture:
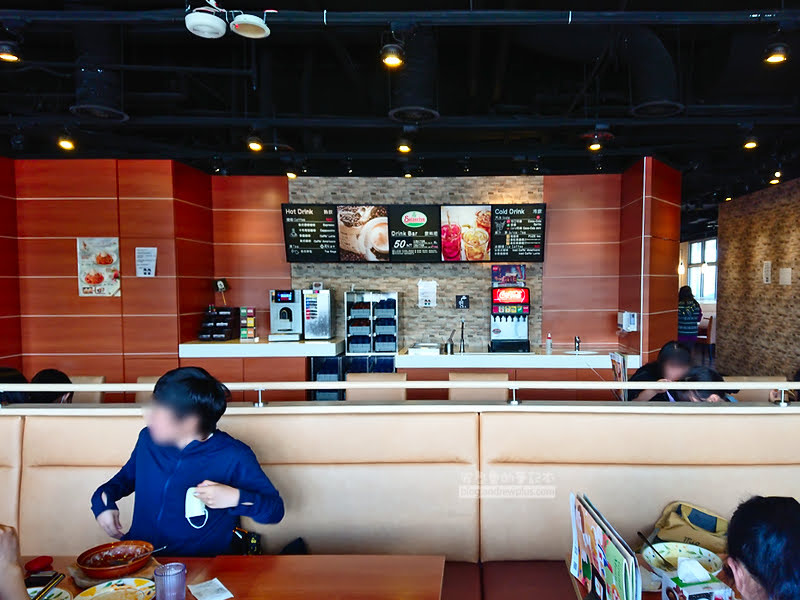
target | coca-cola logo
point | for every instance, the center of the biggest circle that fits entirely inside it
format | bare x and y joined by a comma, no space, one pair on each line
511,295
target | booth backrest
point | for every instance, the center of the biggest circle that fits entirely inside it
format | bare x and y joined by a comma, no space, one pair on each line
630,465
376,395
352,483
10,467
88,397
753,395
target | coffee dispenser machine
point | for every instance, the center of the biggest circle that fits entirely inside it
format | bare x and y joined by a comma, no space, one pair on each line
511,307
317,314
285,315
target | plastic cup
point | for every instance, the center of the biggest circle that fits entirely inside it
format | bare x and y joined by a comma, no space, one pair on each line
171,581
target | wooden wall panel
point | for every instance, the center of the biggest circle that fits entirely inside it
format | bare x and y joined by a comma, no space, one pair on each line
10,335
248,240
580,287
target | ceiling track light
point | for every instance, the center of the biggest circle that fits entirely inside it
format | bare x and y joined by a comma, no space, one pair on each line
210,22
348,166
65,142
392,54
291,174
403,145
595,140
250,26
776,53
750,143
10,52
255,144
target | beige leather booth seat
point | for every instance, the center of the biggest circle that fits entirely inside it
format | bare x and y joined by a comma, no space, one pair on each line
477,394
753,395
87,397
10,467
630,466
377,395
352,483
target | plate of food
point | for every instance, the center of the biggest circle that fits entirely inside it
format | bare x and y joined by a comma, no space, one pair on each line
93,277
105,258
54,594
121,589
672,551
115,559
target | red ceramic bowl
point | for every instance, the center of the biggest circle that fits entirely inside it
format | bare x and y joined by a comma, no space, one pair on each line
114,560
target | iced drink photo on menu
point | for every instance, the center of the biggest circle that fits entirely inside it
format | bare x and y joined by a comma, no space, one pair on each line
451,242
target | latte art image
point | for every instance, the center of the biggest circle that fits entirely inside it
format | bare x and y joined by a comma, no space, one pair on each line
363,233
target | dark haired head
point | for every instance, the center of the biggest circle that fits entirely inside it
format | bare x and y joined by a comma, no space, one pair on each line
764,537
702,375
11,375
685,294
676,353
51,376
192,391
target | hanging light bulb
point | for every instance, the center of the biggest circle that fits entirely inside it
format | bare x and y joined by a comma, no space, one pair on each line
392,55
776,53
65,142
255,144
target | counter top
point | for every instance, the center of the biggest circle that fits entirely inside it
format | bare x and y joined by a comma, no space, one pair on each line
559,359
265,349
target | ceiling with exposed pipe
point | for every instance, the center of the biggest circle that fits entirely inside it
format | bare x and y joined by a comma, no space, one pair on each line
488,87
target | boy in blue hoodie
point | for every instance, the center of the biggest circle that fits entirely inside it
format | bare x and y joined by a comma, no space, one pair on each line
181,448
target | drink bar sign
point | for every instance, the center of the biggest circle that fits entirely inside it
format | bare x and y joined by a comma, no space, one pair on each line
414,233
310,233
518,232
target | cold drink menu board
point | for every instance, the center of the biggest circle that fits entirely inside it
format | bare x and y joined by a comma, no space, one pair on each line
310,233
518,232
414,233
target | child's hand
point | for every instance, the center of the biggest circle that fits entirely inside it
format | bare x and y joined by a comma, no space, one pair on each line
109,522
217,495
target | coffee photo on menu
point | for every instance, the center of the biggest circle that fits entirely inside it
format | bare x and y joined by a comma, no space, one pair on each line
466,231
363,233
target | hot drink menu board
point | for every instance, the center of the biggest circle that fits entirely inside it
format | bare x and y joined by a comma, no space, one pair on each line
310,233
414,233
518,232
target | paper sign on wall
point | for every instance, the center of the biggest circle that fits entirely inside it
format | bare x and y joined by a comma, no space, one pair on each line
785,276
766,271
146,262
98,267
427,293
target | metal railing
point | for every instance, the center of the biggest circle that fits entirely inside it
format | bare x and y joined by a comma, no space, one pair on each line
513,386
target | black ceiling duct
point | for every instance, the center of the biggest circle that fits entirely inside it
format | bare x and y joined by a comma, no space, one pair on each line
653,77
414,89
98,91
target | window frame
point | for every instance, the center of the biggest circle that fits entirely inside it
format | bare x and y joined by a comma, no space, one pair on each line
703,265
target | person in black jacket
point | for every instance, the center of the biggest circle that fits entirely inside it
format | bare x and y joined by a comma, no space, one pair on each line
673,363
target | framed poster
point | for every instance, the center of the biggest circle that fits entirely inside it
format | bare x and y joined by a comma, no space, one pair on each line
414,233
98,267
363,233
310,233
466,233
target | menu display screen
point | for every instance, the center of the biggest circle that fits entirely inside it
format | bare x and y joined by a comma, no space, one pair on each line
518,232
414,233
465,233
363,233
419,233
309,231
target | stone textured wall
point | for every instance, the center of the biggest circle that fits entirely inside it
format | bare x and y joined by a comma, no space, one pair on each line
422,324
758,332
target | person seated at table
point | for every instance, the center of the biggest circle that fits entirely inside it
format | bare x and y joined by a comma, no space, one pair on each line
12,577
673,362
790,395
764,548
704,375
11,375
181,449
51,376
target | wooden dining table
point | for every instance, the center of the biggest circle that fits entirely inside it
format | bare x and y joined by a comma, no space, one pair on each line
329,577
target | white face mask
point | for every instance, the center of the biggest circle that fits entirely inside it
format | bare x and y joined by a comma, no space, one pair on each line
194,508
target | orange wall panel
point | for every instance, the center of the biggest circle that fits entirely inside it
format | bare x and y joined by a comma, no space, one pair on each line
247,193
72,335
144,179
150,334
59,296
67,218
146,218
66,178
276,369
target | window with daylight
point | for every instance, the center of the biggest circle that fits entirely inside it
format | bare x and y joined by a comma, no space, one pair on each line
702,270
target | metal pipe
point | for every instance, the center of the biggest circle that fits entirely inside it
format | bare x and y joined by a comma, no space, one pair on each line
439,18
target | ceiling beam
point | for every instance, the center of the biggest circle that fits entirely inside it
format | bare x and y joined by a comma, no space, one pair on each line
439,18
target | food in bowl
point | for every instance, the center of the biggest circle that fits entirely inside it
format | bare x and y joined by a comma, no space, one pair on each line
115,559
672,551
104,258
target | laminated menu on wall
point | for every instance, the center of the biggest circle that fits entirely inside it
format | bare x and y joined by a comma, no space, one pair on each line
427,293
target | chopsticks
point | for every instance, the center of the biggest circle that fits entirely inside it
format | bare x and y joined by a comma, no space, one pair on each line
665,564
54,581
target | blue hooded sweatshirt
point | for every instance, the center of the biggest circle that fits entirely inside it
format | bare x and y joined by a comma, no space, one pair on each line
161,475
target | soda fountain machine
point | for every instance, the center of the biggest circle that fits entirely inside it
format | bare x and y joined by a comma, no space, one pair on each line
509,321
